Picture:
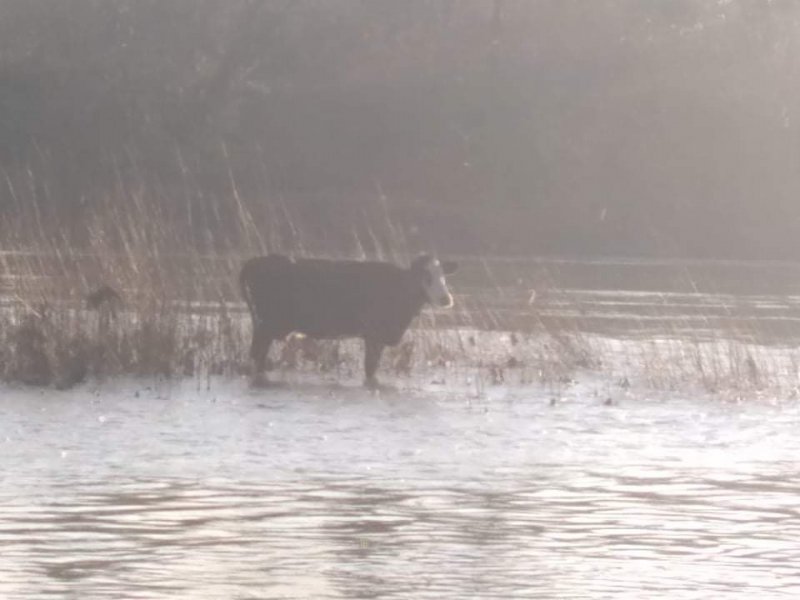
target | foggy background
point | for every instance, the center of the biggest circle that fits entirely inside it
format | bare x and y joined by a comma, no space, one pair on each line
661,128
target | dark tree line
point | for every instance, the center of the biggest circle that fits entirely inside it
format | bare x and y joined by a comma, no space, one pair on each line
550,126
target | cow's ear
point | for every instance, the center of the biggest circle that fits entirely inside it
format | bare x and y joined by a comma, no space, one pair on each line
449,267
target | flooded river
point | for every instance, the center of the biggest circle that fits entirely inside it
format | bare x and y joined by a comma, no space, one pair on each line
314,491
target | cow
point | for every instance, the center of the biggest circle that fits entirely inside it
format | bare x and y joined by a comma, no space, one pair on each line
329,299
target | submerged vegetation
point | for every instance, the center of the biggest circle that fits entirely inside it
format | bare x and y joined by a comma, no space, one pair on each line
63,345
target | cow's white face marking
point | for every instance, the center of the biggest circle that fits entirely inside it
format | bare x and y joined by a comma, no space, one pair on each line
435,285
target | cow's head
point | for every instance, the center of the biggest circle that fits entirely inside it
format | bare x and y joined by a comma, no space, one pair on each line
430,273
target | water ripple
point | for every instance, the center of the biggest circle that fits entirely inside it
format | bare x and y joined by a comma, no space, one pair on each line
435,501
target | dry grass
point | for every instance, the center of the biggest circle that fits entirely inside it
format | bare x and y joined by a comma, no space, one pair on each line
181,315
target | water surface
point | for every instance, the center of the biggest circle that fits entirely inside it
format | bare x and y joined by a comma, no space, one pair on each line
323,491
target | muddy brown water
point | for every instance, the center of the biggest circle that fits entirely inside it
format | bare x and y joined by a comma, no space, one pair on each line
319,490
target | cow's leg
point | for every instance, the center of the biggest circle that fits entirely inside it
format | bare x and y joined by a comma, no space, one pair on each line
372,356
259,352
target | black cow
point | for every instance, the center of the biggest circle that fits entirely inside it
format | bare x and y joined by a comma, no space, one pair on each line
375,301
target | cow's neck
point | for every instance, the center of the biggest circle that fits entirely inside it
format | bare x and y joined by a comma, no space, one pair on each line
416,301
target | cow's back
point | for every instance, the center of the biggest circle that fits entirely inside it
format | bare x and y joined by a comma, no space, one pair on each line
326,298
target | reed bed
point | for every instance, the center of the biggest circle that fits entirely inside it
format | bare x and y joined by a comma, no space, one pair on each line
180,314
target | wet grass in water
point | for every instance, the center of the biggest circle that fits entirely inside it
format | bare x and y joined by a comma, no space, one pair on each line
179,314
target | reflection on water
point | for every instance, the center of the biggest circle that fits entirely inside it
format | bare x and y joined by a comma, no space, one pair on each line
322,492
751,301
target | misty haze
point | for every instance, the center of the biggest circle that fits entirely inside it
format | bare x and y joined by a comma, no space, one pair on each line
399,299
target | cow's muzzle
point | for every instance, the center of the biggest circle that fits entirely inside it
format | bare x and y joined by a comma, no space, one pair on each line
445,301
